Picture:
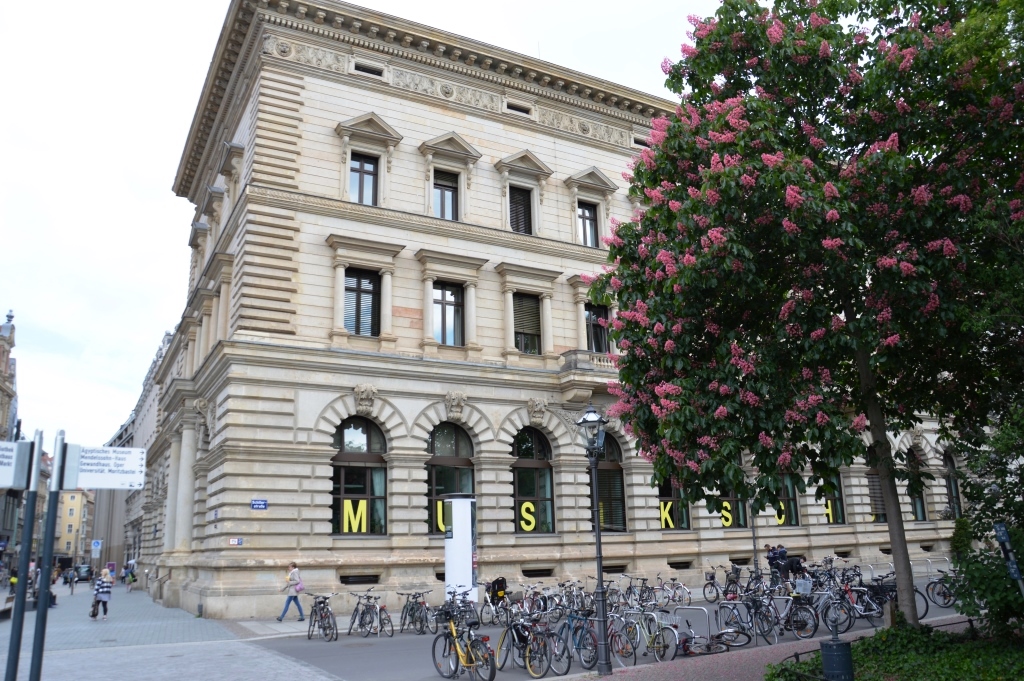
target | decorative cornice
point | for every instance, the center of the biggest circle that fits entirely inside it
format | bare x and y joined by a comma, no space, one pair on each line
388,35
424,224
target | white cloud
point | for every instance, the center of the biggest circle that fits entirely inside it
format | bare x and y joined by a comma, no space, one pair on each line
93,241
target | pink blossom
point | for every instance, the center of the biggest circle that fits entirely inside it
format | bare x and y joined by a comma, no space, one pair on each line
885,262
790,226
794,199
689,260
747,180
822,418
832,216
712,197
670,346
721,412
825,51
817,143
817,334
837,322
860,422
776,32
717,236
920,195
666,66
962,201
885,316
765,441
891,341
689,51
784,460
907,269
772,160
787,309
675,205
832,244
807,374
818,21
830,191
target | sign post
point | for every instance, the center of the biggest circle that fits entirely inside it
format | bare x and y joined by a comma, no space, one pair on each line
46,563
21,592
1003,537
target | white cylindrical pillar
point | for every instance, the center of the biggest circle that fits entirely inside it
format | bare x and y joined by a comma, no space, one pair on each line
173,459
197,346
581,323
224,313
185,496
339,296
470,320
428,309
189,352
547,341
385,302
510,320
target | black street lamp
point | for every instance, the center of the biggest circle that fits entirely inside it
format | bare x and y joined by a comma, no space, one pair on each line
591,426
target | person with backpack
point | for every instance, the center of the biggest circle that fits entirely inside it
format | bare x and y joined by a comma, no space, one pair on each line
293,587
101,594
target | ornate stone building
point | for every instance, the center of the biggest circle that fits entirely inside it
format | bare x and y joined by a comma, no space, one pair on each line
387,303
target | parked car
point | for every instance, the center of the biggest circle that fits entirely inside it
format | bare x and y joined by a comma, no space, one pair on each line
83,573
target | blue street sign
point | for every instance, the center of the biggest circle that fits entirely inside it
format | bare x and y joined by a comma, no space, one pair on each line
258,504
1002,536
1011,565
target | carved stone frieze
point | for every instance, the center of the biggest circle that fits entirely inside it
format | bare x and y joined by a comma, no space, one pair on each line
536,406
365,395
426,85
304,54
591,129
454,401
414,82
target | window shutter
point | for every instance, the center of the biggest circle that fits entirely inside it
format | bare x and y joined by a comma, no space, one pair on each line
612,498
519,210
526,310
875,494
351,297
446,179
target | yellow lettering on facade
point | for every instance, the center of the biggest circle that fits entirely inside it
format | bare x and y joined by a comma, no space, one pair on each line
666,516
354,516
780,515
726,514
439,514
527,520
828,511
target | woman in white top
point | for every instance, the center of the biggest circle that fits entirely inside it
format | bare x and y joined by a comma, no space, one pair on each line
292,588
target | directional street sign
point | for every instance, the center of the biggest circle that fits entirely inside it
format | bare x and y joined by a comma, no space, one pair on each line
105,468
1002,535
14,460
97,544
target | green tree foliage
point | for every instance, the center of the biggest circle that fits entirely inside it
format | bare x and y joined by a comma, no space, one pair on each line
817,215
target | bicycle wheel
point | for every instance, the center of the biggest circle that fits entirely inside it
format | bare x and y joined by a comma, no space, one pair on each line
709,648
731,591
682,595
730,617
537,657
502,652
803,621
483,660
446,659
710,592
312,624
665,645
356,616
555,614
764,623
733,638
366,622
621,649
487,616
586,648
385,624
561,652
430,619
922,604
940,594
631,630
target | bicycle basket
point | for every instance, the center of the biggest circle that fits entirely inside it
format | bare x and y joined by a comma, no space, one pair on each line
734,573
709,576
802,587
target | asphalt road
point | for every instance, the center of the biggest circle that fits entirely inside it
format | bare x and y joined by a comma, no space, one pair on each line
407,657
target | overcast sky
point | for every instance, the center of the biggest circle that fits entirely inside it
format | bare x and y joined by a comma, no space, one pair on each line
98,101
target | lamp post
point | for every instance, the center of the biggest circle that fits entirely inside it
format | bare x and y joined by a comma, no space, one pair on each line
591,426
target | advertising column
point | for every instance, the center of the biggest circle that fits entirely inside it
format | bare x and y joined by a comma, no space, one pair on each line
460,558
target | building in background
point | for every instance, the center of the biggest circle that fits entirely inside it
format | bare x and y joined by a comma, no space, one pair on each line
73,539
388,302
10,500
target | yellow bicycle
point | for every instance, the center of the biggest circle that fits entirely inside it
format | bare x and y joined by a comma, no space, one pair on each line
458,647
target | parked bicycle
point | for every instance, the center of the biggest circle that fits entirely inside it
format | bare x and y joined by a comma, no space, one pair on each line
321,618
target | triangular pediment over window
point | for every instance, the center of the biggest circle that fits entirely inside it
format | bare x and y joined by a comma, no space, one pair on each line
450,144
371,127
525,162
592,179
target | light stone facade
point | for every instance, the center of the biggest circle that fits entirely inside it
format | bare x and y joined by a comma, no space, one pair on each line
263,368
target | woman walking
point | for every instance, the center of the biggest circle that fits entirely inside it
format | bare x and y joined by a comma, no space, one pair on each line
101,593
293,587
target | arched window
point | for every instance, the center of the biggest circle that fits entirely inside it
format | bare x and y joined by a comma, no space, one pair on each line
449,470
788,512
359,480
532,482
611,489
954,506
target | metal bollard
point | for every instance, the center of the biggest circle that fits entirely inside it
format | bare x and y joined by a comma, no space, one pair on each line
836,656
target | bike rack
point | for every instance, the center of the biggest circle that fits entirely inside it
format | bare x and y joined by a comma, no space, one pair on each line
707,616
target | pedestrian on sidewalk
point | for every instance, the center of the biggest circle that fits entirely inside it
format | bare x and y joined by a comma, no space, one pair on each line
293,587
101,593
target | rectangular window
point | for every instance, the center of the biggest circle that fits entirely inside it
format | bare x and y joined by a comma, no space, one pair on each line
71,528
362,177
446,195
67,546
72,497
448,314
586,220
788,512
875,496
445,480
674,512
597,335
734,511
526,310
835,510
71,513
917,505
611,500
362,302
520,209
359,500
534,502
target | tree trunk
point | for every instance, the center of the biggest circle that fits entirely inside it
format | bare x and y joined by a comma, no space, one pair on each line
890,497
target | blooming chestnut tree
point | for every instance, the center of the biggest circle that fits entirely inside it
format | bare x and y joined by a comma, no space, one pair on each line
797,279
